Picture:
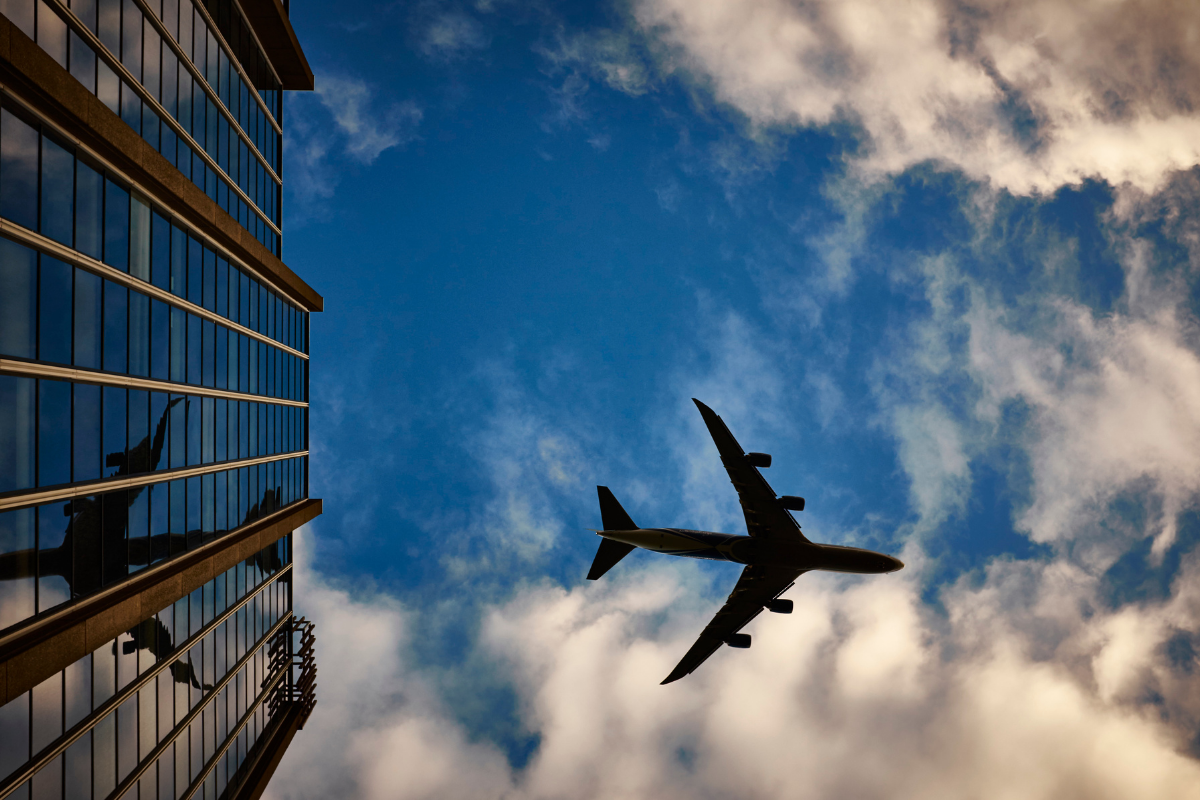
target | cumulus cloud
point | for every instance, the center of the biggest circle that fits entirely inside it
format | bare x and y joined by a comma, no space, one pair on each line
860,693
379,729
1028,95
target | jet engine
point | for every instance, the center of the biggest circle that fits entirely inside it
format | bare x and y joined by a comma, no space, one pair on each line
741,640
780,606
791,502
761,460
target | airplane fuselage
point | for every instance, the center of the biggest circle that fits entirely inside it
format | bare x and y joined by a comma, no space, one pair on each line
756,551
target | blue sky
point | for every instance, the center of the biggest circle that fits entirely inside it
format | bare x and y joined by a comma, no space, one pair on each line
941,262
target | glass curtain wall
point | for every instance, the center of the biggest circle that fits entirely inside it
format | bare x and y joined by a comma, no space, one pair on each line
153,302
166,710
187,98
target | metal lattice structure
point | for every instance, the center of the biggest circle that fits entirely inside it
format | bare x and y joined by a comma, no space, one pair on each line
293,649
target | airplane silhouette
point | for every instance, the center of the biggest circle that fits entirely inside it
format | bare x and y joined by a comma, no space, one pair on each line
150,634
775,552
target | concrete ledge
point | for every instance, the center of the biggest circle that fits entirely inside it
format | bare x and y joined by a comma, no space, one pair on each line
39,647
37,79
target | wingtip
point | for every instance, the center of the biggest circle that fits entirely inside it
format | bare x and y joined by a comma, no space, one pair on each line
675,675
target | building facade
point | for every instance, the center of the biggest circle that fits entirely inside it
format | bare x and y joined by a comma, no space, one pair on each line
153,400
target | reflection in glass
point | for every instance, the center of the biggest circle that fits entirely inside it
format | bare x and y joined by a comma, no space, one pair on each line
114,441
178,344
160,340
17,406
17,591
18,170
116,323
18,301
159,455
193,350
139,334
115,533
79,769
160,252
139,238
193,431
54,432
195,271
86,432
58,190
178,516
54,310
116,226
89,210
88,316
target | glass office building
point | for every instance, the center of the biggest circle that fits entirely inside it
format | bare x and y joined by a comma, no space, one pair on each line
153,400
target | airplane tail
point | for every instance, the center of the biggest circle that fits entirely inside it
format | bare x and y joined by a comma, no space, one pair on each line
615,519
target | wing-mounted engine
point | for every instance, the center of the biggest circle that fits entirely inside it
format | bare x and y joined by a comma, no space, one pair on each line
780,606
791,502
760,460
739,640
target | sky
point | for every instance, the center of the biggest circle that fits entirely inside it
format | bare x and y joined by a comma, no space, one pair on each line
940,259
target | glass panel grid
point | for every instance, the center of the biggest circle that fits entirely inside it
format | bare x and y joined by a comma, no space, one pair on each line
182,99
130,701
133,237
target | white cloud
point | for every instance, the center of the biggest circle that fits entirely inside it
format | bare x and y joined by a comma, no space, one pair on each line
1029,95
367,128
379,729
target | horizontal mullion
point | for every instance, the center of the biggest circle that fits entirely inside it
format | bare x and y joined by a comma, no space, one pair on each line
35,369
78,259
115,484
97,46
86,724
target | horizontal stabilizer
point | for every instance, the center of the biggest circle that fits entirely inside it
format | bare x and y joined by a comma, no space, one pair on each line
614,517
607,556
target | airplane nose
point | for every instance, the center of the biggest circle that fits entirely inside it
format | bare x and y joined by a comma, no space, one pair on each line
897,564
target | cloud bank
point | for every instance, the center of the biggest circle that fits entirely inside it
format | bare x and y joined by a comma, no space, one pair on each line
1027,95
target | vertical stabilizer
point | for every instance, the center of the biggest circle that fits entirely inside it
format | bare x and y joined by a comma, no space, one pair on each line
611,513
615,519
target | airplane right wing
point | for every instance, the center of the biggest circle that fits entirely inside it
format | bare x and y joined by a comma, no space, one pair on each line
755,588
765,517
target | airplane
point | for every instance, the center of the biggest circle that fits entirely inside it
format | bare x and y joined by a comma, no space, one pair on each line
775,552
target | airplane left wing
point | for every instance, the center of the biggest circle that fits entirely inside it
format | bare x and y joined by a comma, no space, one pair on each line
755,588
765,517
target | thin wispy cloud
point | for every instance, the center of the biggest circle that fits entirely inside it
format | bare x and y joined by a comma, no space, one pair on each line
342,123
449,34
